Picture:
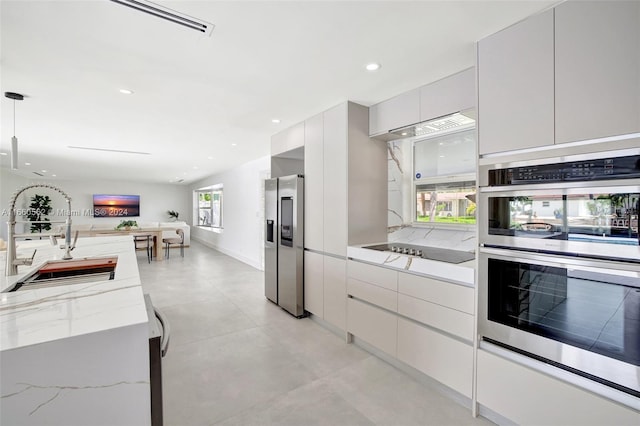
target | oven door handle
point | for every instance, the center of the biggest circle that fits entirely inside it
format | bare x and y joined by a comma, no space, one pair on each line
557,260
166,331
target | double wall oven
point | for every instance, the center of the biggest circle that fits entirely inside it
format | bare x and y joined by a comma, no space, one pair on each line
559,271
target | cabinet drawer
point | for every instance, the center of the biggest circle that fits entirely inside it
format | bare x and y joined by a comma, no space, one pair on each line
373,325
445,359
373,294
443,293
446,319
520,400
377,275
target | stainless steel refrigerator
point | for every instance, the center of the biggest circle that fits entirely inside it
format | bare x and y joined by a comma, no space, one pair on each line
284,243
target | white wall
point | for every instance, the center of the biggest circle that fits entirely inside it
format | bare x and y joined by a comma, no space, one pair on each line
155,199
243,211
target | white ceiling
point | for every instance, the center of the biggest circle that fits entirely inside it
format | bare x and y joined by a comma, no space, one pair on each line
195,96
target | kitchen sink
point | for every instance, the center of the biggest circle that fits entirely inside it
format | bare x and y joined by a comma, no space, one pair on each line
66,272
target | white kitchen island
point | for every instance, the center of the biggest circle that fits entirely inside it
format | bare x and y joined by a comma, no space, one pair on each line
75,354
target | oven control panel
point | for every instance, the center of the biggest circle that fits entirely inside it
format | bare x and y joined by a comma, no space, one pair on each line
574,171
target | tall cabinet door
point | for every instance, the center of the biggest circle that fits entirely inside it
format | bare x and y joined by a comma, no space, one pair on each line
335,291
335,180
314,183
515,86
597,69
314,283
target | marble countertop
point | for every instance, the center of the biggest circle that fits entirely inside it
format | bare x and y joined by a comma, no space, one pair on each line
461,273
30,317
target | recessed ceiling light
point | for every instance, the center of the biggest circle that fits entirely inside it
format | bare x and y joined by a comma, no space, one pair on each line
27,164
43,171
209,158
442,156
3,153
53,175
373,66
234,144
126,91
195,167
275,121
403,134
185,173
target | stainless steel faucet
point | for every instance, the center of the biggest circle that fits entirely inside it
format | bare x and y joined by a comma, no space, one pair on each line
12,261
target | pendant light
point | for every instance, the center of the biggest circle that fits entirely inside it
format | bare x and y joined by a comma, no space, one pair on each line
14,139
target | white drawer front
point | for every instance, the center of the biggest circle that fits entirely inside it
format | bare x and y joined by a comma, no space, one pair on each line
449,320
373,325
445,359
373,294
441,292
565,404
377,275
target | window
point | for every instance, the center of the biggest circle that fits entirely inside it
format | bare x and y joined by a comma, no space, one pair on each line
210,207
444,177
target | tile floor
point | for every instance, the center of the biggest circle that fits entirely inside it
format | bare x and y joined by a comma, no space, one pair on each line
237,359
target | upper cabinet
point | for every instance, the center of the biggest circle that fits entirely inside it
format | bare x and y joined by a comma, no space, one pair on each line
450,95
399,111
335,139
568,74
515,86
288,139
345,181
314,183
597,63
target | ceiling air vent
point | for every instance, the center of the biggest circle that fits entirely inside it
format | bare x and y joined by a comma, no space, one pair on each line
168,14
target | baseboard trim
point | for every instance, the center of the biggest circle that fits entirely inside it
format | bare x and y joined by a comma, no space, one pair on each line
230,253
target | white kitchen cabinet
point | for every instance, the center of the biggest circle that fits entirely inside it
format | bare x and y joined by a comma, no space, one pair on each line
354,183
288,139
335,291
526,396
373,325
452,94
597,69
443,293
447,360
335,180
516,86
314,283
399,111
373,294
376,275
345,199
448,320
367,182
314,183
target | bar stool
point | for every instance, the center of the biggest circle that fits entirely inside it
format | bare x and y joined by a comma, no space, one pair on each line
174,240
143,241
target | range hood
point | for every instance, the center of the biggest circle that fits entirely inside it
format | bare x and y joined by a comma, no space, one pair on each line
437,126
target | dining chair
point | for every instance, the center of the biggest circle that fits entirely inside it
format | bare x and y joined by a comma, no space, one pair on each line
174,240
144,241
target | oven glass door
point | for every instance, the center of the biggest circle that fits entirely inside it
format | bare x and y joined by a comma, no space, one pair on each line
599,221
580,314
602,217
595,311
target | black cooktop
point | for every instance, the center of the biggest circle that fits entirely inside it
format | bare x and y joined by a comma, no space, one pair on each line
431,253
